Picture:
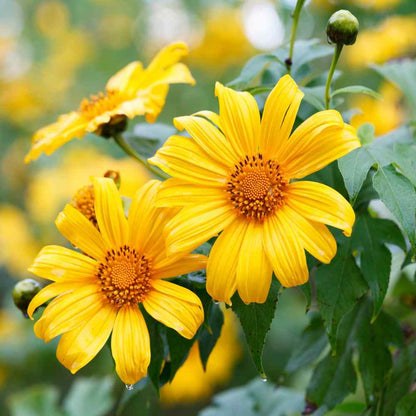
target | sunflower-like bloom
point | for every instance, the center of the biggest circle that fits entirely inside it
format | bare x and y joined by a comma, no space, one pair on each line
240,176
99,292
130,92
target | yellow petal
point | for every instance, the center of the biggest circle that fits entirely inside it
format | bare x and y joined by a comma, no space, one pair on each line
240,120
314,236
209,138
109,212
320,203
223,261
254,271
183,158
78,347
81,233
154,100
178,193
175,306
58,263
196,224
176,74
279,115
318,141
284,251
49,292
50,138
211,116
68,311
130,345
121,80
183,265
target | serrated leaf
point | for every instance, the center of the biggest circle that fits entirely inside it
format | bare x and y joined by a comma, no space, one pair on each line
407,405
90,396
255,320
35,401
356,89
339,286
399,196
369,237
310,346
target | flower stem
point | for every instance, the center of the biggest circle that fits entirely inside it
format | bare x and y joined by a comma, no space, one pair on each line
130,151
334,62
296,14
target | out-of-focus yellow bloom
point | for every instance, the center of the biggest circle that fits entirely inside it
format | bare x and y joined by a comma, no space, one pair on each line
17,245
365,4
130,92
386,115
224,43
52,18
116,30
243,179
97,293
51,188
393,38
191,382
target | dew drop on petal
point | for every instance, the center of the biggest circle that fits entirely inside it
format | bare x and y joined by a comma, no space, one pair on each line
129,387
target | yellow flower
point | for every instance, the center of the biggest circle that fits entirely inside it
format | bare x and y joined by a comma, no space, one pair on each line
219,368
130,92
96,293
393,38
385,114
242,179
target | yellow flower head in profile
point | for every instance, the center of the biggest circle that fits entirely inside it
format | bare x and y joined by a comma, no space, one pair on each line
131,92
98,293
240,176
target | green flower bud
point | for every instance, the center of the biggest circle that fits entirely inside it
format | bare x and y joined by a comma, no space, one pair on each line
24,292
342,28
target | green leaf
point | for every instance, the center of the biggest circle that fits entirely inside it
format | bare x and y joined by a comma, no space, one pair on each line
399,196
356,89
405,159
90,396
366,133
351,408
256,399
35,401
314,96
313,341
339,286
158,350
369,237
407,405
255,319
403,74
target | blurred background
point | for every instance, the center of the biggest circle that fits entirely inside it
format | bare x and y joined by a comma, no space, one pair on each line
55,52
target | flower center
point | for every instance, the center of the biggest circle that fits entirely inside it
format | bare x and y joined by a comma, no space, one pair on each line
256,187
83,201
99,104
125,276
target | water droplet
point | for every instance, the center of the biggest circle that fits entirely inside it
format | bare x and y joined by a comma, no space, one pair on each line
263,378
216,302
129,387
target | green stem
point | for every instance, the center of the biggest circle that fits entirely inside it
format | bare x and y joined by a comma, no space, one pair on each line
334,62
296,14
130,151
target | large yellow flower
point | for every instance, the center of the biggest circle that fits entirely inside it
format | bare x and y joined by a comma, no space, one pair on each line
96,293
130,92
242,178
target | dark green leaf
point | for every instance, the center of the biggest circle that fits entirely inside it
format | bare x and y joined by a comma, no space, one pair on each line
407,405
356,89
399,196
351,408
339,286
369,237
90,396
35,401
310,346
256,319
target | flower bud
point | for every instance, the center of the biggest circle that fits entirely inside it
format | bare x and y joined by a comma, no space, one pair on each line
24,292
342,28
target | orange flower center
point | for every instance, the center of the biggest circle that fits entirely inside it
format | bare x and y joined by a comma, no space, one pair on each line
125,276
256,187
83,201
99,104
